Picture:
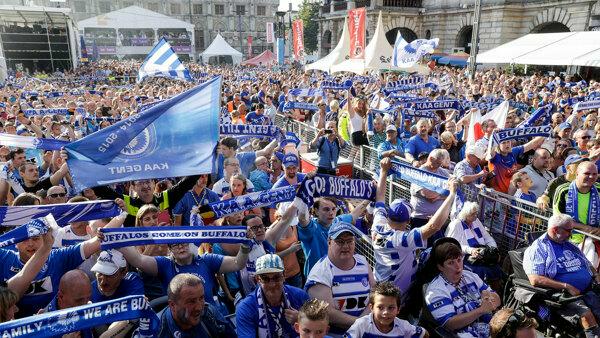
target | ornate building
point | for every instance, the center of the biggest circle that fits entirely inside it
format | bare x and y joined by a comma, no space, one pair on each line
236,20
452,20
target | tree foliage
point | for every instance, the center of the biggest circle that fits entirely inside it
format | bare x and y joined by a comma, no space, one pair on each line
309,13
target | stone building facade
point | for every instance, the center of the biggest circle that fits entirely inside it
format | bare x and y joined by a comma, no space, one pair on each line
234,19
452,20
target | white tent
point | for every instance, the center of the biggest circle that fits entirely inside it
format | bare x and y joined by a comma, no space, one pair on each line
337,55
220,47
554,49
134,17
378,56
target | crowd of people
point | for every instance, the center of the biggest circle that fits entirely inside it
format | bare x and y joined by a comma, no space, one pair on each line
300,273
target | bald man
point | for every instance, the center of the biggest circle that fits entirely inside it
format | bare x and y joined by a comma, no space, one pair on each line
538,171
57,194
580,200
74,289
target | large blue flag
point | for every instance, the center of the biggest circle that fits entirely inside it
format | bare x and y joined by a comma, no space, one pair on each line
84,53
177,137
162,61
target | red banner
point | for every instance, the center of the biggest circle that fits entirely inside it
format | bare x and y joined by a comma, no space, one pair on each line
298,32
356,25
249,46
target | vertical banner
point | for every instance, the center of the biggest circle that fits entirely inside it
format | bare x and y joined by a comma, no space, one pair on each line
270,32
357,25
298,32
249,46
280,51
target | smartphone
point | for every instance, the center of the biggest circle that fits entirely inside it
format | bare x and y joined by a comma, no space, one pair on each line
328,131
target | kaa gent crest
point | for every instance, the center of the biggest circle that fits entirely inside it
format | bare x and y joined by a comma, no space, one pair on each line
143,144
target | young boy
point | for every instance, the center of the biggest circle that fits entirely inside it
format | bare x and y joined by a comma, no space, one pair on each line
523,183
313,320
384,302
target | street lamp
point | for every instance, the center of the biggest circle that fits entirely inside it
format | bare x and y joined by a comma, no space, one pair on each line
280,37
474,40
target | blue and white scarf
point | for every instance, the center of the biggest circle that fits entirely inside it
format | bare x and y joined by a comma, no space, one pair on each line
413,113
122,237
393,87
310,92
472,241
65,213
300,105
333,186
264,312
51,95
541,112
33,228
216,210
572,205
586,105
29,142
58,323
420,177
333,85
514,133
438,105
51,111
255,130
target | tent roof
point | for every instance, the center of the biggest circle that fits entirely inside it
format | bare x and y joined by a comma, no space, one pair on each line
337,55
264,58
10,13
560,49
133,17
220,47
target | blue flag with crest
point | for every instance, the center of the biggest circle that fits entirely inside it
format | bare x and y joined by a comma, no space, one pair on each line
177,137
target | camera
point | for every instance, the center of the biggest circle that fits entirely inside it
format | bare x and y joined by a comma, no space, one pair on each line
328,131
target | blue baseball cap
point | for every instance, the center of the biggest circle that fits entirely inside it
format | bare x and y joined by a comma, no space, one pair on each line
269,263
290,159
338,227
574,158
399,211
564,125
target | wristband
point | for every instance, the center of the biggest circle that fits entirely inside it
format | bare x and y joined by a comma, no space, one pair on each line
245,248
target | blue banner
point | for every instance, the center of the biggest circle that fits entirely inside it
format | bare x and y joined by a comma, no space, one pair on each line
300,105
332,85
256,130
334,186
514,133
586,105
420,177
51,111
64,213
58,323
148,106
29,142
216,210
437,105
174,138
33,228
123,237
537,114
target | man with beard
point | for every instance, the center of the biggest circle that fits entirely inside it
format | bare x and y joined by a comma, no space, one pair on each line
272,308
188,315
420,143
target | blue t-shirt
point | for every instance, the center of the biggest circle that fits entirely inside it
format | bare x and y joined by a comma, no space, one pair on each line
254,118
246,160
282,182
387,146
246,315
416,145
131,284
204,266
247,101
190,200
570,268
529,197
45,285
314,240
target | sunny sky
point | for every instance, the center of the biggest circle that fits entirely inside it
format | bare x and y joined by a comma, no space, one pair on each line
283,4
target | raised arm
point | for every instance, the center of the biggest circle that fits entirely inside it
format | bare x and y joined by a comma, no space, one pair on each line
237,263
386,164
533,144
20,282
278,228
145,263
441,215
59,174
268,149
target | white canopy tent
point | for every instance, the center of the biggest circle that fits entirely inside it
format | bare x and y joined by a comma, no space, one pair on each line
220,47
553,49
337,55
378,56
134,17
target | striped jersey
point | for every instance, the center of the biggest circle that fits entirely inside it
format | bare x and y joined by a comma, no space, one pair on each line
364,327
394,250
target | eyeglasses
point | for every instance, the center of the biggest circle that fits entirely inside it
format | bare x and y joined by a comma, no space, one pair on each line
57,195
341,242
586,137
562,145
257,227
275,279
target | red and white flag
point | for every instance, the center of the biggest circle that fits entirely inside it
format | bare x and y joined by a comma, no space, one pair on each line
270,32
497,114
357,25
298,32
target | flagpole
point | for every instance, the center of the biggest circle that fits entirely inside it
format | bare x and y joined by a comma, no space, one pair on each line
474,40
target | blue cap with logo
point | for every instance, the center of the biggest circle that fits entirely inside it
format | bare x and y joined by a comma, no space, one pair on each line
269,263
338,227
399,211
290,159
109,262
574,158
564,125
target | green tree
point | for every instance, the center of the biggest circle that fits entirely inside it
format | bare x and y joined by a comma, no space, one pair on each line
309,13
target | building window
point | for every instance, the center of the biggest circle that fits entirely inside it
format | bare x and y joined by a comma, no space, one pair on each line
104,6
175,9
197,9
153,6
240,10
80,7
261,10
220,9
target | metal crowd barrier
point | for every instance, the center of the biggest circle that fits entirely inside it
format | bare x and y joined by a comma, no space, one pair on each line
508,220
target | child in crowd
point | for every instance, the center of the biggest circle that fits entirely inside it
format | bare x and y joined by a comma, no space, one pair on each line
313,319
523,183
384,302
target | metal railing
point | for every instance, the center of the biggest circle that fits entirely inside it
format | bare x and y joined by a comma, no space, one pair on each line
507,219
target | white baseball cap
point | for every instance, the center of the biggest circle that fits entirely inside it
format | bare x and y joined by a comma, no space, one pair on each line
109,262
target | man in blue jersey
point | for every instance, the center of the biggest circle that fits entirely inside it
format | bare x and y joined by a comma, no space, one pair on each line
199,195
272,308
112,279
228,147
420,143
258,116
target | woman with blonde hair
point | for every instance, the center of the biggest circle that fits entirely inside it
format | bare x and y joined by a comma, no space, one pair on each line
147,216
8,304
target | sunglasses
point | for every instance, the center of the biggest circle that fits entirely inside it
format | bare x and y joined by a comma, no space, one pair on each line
60,194
586,137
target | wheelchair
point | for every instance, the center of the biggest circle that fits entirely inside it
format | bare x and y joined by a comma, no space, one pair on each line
539,303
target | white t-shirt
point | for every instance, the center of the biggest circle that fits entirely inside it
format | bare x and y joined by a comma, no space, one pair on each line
65,237
221,187
365,327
